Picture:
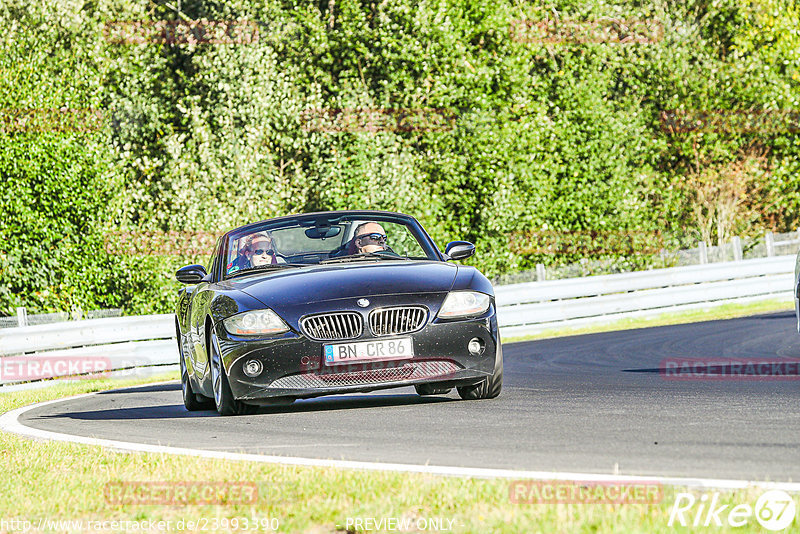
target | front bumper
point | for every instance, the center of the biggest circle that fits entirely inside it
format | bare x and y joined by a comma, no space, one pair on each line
293,364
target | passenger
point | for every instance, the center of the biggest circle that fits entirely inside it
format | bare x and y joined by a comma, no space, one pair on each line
369,237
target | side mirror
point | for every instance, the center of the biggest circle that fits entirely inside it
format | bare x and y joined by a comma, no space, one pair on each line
459,250
191,274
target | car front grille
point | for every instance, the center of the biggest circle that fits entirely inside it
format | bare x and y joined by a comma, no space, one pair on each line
402,320
406,372
333,326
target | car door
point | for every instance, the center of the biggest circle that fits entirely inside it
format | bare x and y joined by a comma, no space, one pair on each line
199,297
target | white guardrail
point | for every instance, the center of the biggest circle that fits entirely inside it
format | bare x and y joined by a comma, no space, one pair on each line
79,347
533,307
523,309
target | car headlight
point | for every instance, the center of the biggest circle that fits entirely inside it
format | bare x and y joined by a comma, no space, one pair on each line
464,304
255,323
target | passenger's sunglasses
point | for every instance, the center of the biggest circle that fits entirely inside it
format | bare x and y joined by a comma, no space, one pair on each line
260,251
374,237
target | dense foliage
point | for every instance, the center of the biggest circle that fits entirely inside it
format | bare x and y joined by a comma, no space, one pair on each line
491,134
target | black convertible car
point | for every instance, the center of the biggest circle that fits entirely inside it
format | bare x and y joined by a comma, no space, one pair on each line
334,302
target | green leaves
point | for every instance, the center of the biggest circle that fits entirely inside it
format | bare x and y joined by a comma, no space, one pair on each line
561,136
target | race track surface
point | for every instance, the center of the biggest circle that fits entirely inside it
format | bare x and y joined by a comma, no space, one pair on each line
577,404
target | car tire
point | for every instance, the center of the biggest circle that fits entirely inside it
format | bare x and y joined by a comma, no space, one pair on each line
431,389
191,400
223,396
489,387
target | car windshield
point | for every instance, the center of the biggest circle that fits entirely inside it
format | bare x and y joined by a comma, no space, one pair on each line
311,240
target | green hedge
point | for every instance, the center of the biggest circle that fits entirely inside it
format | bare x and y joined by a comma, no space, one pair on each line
525,136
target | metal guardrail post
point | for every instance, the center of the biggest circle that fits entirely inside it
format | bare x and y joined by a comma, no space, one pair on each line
769,239
737,248
22,316
703,248
540,274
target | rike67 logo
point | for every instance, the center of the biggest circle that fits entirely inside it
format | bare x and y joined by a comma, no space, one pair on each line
774,510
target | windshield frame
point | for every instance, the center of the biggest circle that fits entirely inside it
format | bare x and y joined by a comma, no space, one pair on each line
330,217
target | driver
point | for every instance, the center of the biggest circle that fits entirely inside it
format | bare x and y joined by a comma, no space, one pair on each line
260,250
369,237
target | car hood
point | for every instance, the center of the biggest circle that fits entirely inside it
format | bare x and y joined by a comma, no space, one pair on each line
320,283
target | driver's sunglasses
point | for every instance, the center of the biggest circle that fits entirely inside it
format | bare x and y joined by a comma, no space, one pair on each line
374,237
260,251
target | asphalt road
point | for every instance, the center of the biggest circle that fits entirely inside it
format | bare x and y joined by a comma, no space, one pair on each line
578,404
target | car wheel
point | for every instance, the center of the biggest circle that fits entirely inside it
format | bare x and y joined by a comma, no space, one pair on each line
223,396
431,389
191,400
489,387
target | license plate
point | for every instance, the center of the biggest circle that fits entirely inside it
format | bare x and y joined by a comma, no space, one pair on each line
369,351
